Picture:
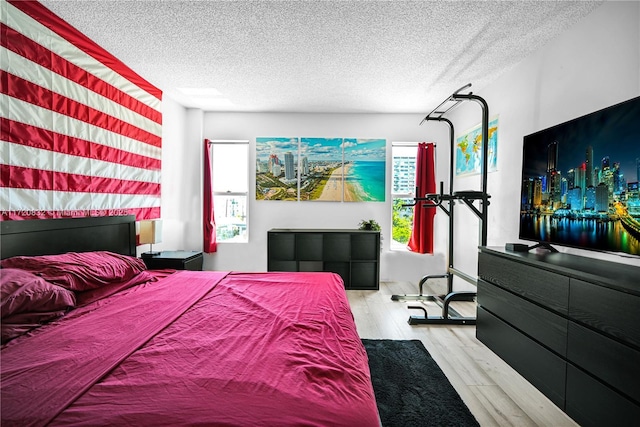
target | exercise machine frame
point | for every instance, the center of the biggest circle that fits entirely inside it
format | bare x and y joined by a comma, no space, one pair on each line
431,201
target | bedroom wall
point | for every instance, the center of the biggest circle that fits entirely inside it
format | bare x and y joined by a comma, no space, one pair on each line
181,208
265,215
592,65
589,67
182,174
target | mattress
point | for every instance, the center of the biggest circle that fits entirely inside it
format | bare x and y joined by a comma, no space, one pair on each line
196,348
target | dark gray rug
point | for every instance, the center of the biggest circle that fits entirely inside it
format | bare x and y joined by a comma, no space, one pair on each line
410,388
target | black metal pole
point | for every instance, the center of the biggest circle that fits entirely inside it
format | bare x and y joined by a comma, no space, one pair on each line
485,160
451,201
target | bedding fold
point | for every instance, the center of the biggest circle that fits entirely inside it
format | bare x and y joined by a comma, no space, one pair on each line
43,374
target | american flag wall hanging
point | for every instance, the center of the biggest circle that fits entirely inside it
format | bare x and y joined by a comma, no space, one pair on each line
81,133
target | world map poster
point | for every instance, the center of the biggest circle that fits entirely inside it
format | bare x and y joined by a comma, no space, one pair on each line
469,150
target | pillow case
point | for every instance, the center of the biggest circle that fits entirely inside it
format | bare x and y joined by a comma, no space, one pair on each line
27,301
24,292
79,271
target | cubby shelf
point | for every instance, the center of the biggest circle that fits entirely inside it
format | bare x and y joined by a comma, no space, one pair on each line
353,254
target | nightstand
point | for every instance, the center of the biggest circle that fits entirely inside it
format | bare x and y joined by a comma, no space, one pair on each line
176,260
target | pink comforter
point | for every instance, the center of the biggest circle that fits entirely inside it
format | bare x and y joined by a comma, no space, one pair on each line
197,348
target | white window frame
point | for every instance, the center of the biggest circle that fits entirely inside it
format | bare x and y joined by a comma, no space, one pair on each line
212,143
396,246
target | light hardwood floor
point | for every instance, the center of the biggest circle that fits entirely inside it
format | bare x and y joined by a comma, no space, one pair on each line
495,393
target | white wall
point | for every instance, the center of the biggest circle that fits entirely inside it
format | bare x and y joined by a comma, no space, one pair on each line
591,66
181,187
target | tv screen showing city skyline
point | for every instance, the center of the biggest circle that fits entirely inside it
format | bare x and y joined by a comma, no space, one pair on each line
579,181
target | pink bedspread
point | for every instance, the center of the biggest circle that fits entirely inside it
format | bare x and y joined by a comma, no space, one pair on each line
249,349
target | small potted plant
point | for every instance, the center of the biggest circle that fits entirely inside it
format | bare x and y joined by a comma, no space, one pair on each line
369,224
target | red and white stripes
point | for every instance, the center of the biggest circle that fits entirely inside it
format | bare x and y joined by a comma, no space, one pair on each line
81,133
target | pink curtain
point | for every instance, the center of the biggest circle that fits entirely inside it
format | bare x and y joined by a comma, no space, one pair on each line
208,219
421,240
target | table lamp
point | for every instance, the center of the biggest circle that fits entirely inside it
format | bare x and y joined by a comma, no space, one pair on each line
150,232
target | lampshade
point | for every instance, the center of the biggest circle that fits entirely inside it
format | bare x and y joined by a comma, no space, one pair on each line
150,231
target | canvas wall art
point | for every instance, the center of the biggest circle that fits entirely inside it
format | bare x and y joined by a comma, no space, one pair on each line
320,169
365,166
276,171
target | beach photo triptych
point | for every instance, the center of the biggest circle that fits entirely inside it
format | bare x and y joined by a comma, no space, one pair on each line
321,169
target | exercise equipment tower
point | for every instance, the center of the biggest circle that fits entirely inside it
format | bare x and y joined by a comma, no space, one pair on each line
446,202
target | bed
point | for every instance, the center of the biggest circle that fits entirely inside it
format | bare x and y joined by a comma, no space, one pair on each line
174,347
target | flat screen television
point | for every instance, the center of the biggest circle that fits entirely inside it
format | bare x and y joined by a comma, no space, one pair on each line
580,182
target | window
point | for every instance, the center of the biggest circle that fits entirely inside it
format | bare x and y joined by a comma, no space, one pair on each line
402,191
230,175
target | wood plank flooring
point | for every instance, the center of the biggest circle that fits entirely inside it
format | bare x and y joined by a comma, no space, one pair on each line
495,393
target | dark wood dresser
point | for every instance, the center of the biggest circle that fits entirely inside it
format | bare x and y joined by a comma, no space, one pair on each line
570,325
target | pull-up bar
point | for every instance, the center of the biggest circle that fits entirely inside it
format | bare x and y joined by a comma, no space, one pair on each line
436,113
449,315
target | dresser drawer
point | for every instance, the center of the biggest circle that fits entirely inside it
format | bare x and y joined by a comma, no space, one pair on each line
591,403
605,358
542,325
611,311
541,286
542,368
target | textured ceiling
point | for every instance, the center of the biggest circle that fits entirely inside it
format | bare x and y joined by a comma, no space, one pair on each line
321,56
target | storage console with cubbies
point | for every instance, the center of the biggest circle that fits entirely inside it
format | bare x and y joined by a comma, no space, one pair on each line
353,254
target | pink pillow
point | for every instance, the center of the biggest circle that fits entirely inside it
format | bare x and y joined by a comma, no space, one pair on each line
27,301
23,292
79,271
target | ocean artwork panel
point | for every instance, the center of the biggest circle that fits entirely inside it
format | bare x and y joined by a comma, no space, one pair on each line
277,168
364,169
468,150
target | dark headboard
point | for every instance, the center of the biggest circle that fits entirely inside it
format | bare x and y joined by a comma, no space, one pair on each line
54,236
